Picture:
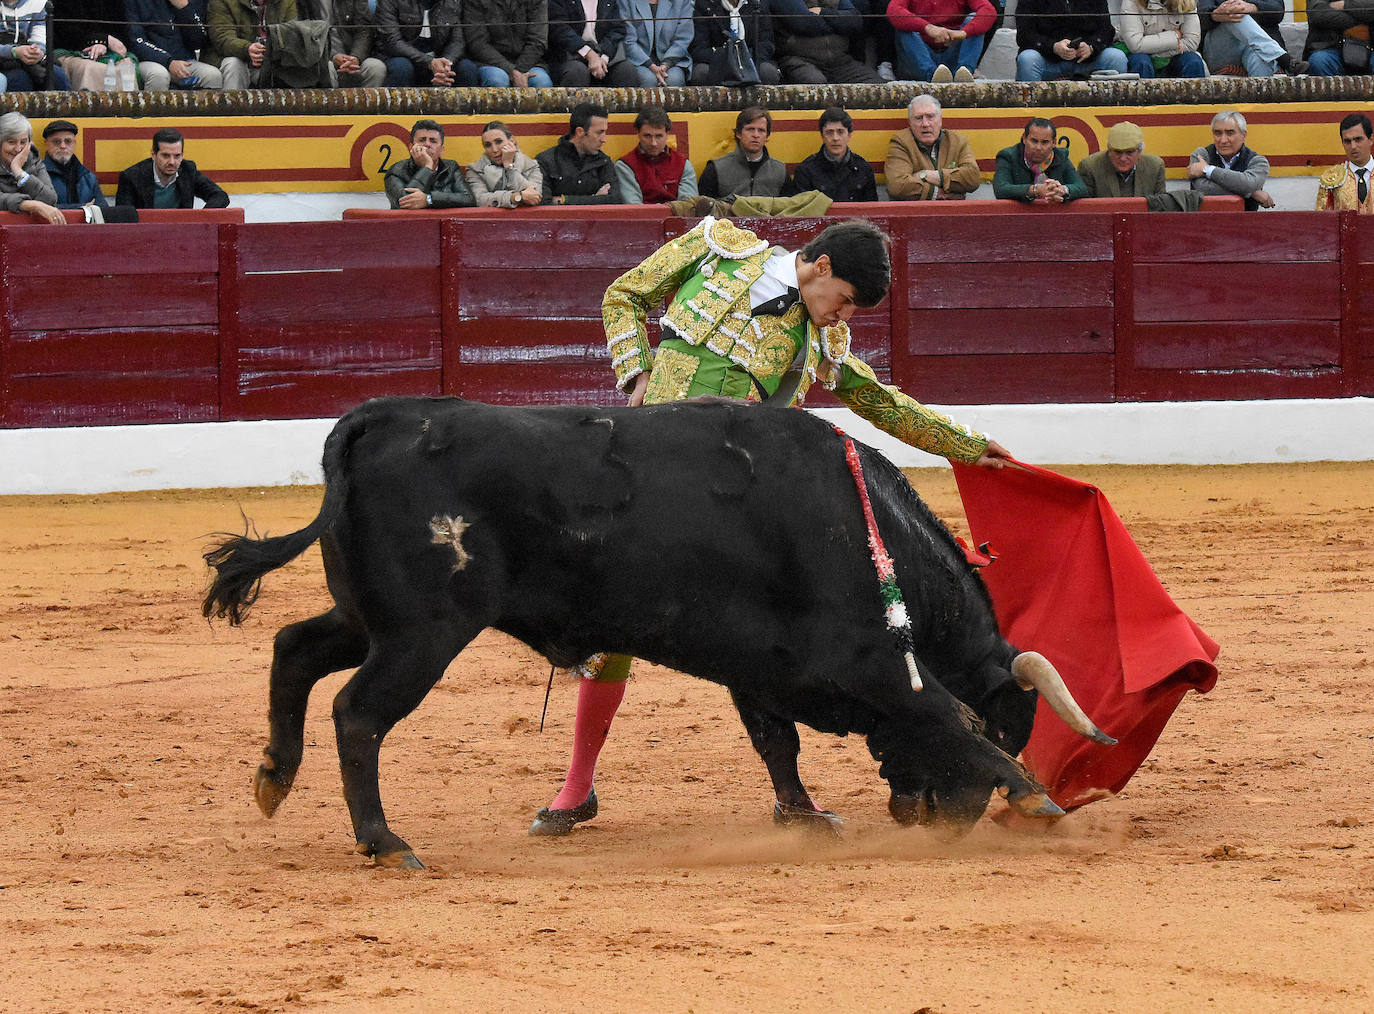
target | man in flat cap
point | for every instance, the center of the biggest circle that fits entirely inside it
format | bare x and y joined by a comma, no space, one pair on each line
1123,170
75,183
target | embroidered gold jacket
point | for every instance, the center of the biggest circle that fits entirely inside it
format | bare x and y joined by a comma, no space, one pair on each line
1338,189
710,269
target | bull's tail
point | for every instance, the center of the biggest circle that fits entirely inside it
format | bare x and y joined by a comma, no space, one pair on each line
240,561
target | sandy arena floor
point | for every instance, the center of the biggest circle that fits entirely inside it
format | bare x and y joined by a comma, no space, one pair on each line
1235,873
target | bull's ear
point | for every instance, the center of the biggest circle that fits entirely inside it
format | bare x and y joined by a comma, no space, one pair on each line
1009,714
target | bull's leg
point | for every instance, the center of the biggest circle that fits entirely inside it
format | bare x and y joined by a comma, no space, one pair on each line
302,655
399,671
777,743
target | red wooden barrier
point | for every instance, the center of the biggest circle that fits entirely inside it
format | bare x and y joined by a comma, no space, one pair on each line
154,216
187,322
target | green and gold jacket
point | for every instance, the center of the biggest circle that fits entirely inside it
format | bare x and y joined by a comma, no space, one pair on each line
712,344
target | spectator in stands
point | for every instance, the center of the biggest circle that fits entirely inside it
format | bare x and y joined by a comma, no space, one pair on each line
1243,37
426,179
934,37
1348,186
653,171
1329,24
167,180
576,170
24,182
353,48
238,39
74,184
24,31
1227,166
1163,37
165,35
91,45
748,171
813,39
925,162
507,39
429,34
583,52
657,36
713,22
1037,170
1065,38
1123,170
504,177
835,170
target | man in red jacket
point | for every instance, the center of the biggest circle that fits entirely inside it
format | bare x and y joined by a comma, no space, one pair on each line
940,40
654,172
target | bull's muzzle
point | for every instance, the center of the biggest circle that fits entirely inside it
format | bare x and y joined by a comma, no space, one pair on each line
1034,672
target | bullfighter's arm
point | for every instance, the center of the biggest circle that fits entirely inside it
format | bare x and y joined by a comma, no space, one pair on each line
634,295
906,419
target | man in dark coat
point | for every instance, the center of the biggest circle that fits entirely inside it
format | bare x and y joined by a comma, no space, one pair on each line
438,57
835,170
167,180
74,184
576,170
576,61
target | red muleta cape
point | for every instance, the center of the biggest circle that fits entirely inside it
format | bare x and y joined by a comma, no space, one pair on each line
1069,582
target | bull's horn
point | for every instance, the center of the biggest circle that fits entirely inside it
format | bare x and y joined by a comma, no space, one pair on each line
1033,671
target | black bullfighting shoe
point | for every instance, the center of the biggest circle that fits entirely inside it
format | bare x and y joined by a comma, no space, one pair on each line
823,821
556,823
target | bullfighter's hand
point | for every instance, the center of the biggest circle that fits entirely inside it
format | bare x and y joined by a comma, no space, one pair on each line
996,456
641,385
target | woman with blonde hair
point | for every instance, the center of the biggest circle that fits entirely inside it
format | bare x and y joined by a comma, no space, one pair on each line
1162,38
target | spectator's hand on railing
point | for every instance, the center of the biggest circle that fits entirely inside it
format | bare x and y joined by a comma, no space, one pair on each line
603,190
1262,198
1197,168
46,212
257,52
531,196
413,199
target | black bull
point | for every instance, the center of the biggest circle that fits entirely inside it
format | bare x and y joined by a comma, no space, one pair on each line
721,540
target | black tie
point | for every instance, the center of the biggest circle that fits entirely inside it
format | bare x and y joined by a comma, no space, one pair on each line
1363,192
778,305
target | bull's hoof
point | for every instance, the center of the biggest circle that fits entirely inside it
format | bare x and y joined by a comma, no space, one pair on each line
557,823
824,822
908,810
398,861
268,789
1036,804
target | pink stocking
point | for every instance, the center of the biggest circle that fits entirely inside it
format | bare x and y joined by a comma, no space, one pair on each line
596,705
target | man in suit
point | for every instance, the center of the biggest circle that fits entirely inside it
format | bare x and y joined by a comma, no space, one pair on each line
167,180
1123,170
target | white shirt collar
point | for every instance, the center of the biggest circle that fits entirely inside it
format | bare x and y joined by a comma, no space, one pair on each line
1368,166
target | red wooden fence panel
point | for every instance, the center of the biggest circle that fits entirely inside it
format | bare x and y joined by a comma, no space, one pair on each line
524,320
1357,307
1007,310
327,314
118,328
1231,307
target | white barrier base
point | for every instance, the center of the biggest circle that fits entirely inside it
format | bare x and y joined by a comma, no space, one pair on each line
104,459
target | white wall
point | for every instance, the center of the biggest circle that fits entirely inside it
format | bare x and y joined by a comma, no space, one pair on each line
275,453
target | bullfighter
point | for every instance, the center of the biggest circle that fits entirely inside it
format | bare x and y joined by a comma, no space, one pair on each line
748,321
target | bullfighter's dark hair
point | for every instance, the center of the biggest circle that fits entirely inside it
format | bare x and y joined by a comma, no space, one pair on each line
167,135
582,115
1039,121
1358,120
654,116
749,114
427,125
858,252
835,114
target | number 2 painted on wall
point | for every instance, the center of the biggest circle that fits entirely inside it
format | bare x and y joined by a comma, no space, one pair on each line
386,158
